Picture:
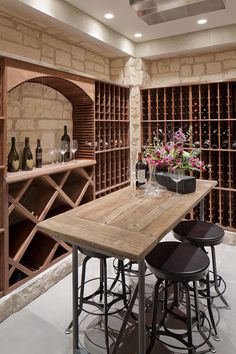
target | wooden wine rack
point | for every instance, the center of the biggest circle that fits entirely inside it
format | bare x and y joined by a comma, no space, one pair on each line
3,200
101,126
112,147
210,109
37,195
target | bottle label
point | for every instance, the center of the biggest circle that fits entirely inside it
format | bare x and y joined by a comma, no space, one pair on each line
16,164
30,163
141,176
39,156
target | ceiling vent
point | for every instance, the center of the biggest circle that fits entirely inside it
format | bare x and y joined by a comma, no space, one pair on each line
159,11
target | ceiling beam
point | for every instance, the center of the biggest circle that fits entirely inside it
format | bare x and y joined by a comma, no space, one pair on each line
77,20
189,43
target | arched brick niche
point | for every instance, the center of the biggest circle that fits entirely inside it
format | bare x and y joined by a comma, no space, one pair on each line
82,111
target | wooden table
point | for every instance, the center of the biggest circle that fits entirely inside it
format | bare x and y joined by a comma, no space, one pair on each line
124,224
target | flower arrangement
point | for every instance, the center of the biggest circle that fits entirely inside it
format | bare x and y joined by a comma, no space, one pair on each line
171,155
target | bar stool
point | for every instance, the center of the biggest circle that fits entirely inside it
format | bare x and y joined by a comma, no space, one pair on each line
175,263
103,291
204,234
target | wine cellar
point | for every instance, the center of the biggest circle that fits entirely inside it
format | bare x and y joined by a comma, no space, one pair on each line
100,121
210,111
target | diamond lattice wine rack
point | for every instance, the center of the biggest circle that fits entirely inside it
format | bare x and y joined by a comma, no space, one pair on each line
33,197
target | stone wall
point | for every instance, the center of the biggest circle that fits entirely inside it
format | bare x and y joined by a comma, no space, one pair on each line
39,112
133,72
210,67
29,39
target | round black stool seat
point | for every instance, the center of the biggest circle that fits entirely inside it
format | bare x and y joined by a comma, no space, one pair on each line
92,254
177,261
178,264
204,234
199,233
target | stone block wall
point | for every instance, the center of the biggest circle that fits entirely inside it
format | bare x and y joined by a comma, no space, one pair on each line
209,67
27,39
134,72
39,112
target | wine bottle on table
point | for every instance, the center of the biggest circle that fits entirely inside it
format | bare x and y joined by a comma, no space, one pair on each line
27,157
38,154
140,171
65,137
13,161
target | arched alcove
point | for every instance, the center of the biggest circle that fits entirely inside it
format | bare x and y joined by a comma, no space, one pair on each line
82,111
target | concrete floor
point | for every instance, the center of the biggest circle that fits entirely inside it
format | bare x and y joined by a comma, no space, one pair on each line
39,327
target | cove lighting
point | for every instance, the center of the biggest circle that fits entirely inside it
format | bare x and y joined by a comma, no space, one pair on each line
109,16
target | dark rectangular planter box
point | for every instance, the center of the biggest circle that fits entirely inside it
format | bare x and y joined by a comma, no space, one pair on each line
186,185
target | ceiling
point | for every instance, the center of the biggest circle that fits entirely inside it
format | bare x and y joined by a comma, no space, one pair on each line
126,22
82,22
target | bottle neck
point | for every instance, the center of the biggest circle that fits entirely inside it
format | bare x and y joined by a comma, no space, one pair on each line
65,130
13,143
140,158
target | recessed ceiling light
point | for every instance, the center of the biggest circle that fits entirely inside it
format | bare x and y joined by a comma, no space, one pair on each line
138,35
109,16
203,21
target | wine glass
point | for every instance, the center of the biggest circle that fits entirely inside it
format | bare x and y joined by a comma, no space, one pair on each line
176,176
52,152
74,148
63,146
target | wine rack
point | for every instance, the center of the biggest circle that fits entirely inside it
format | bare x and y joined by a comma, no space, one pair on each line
37,195
3,233
210,109
112,148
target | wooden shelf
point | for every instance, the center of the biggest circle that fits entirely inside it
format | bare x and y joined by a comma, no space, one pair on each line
211,110
47,170
114,149
111,137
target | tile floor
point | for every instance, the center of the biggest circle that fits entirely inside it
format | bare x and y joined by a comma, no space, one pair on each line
39,327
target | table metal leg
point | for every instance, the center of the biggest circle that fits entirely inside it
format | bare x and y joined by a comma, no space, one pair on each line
75,299
141,305
202,210
75,273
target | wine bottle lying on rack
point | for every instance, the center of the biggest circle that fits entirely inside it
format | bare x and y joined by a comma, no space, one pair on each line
225,139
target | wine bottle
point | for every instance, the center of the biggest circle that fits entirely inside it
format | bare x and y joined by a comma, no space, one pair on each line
140,171
214,139
225,139
65,137
27,157
13,161
38,154
204,113
195,110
